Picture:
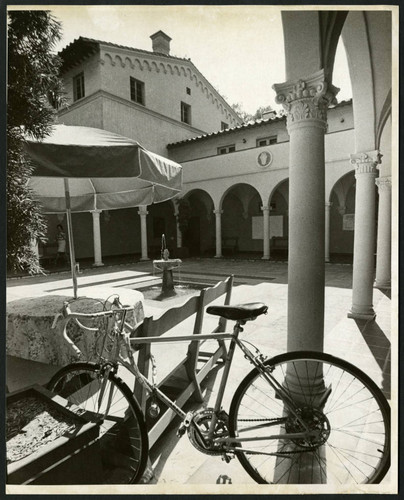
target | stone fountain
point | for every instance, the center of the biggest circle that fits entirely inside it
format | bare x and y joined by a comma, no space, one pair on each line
166,265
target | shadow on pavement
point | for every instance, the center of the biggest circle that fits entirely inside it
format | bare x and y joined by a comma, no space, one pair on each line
380,347
386,292
160,454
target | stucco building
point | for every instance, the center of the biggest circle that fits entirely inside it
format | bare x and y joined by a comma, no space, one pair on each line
316,181
235,174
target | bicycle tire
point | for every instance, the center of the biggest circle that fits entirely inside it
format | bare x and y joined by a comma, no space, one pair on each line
123,438
357,448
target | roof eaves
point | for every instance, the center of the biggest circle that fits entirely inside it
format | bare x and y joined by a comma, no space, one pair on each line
256,123
99,43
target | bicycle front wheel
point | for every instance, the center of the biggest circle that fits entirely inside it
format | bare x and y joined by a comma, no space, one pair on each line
123,439
347,414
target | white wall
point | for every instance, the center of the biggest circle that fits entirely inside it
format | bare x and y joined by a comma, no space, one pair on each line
166,81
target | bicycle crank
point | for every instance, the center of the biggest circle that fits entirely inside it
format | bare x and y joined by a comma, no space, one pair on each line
200,427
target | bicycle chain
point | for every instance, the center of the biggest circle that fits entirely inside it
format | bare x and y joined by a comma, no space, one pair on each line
268,420
260,419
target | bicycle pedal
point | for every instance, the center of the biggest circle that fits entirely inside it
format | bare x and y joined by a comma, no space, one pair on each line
226,457
181,430
185,424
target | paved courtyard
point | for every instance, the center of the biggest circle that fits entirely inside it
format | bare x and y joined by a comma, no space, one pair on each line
367,344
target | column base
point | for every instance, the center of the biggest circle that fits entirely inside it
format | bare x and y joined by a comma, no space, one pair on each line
358,315
383,285
144,258
218,256
98,264
265,257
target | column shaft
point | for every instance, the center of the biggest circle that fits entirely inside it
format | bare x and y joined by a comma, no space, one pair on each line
327,231
364,238
177,225
306,239
218,214
383,253
306,103
97,238
143,231
265,210
35,247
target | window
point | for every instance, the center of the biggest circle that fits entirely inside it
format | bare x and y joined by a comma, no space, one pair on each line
267,141
188,91
78,87
185,113
224,126
137,91
226,149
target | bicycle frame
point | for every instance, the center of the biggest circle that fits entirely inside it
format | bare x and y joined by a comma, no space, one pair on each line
300,427
256,360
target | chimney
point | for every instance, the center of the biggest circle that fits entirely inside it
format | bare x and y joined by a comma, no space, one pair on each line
161,43
270,114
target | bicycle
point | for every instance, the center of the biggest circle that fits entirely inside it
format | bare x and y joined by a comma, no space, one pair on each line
300,417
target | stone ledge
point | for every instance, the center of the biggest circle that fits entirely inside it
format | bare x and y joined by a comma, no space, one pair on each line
29,322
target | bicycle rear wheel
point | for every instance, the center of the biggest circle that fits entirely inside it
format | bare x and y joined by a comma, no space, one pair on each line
348,413
123,436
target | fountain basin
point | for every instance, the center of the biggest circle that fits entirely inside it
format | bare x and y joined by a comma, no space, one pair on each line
167,265
182,290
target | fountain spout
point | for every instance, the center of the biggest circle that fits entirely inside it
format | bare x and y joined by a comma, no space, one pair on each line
166,265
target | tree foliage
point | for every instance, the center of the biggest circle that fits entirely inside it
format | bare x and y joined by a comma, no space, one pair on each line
247,117
237,107
33,84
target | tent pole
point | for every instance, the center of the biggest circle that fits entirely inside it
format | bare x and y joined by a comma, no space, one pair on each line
70,233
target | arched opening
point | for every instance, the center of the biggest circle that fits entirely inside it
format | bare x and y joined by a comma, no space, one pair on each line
340,76
342,218
242,222
161,220
279,221
199,236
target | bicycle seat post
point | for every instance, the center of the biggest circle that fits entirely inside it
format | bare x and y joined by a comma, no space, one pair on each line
238,328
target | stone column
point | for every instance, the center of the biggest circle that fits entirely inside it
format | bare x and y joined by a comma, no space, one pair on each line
383,253
143,229
35,247
365,233
306,102
265,210
179,233
97,238
327,231
218,214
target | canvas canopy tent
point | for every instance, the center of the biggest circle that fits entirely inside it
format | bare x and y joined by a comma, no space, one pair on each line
79,169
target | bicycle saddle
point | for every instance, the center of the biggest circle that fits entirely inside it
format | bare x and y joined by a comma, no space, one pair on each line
241,312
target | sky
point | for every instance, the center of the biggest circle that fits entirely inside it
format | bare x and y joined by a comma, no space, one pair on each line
239,49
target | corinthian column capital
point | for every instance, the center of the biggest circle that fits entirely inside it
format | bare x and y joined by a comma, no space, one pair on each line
366,163
306,99
383,183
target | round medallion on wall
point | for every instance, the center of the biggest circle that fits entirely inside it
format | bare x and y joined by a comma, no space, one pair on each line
264,159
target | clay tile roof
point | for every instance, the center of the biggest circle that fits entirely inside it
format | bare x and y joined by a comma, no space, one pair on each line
248,125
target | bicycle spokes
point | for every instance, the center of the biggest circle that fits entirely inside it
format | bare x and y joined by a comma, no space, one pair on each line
337,433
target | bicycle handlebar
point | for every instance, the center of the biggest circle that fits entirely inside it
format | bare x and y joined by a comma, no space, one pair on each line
67,315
